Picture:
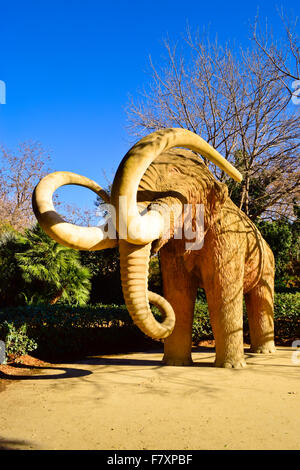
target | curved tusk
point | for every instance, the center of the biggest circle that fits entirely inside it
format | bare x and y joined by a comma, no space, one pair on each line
73,236
146,228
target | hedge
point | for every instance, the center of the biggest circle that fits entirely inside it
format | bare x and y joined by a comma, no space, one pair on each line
286,319
62,331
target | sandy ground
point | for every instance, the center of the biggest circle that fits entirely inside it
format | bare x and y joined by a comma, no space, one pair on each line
131,402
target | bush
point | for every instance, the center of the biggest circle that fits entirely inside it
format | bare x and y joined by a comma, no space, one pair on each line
201,325
104,267
16,340
283,238
287,316
63,331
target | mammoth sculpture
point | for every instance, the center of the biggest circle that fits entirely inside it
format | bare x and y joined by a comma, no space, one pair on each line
233,261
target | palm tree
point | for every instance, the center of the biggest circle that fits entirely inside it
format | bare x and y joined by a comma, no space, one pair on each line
45,271
11,280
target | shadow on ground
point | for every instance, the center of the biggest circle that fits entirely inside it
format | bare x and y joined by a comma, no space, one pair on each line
6,444
66,373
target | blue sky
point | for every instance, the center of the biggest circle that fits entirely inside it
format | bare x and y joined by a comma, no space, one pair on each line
70,65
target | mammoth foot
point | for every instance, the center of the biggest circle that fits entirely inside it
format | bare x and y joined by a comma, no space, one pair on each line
231,364
177,361
268,348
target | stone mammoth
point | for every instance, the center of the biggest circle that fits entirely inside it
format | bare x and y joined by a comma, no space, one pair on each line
156,193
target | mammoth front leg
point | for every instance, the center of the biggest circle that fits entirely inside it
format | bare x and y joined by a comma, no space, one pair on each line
224,293
180,289
226,317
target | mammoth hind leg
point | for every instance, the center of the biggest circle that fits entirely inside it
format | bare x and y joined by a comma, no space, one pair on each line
259,304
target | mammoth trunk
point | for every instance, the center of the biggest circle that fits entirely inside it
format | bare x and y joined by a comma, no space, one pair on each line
134,263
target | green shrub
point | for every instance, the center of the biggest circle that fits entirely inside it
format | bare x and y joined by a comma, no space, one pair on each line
63,331
201,325
17,343
287,315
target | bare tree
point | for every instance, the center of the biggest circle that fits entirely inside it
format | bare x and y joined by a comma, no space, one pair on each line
236,100
283,55
20,171
85,216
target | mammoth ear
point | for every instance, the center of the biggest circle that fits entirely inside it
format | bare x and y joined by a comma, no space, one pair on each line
219,194
221,190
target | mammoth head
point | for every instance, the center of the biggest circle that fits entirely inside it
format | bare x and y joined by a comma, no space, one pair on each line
141,228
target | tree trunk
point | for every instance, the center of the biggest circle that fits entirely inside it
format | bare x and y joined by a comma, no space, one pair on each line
247,185
56,297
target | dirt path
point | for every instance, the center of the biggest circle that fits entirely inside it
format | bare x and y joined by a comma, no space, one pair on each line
132,402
